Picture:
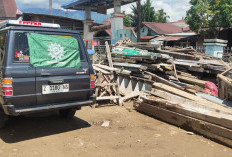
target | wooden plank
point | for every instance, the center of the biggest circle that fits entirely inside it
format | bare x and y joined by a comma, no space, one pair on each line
130,95
107,84
106,67
190,96
213,117
107,98
184,101
108,54
160,79
101,70
212,131
175,53
193,81
225,79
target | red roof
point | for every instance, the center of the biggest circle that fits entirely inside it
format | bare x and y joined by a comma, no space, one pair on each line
147,37
163,28
168,28
107,21
8,8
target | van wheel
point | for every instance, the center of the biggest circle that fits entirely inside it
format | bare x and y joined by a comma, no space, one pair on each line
67,113
3,119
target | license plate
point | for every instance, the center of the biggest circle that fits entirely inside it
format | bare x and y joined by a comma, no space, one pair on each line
50,89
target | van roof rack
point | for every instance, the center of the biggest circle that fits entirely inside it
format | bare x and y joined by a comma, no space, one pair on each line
27,23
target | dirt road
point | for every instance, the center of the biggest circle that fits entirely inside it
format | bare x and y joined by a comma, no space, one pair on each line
128,134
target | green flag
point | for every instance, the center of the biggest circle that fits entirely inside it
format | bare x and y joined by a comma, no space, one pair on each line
53,51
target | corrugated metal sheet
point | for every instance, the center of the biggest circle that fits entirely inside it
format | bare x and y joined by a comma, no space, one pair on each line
169,38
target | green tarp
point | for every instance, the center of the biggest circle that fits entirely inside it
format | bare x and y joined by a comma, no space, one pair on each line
131,52
53,51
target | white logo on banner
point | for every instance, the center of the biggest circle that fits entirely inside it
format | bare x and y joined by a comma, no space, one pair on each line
56,51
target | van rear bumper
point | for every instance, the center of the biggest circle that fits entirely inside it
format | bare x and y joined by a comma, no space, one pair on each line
11,110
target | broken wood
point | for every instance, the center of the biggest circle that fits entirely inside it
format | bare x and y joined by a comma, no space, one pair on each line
224,120
108,54
212,131
160,79
189,96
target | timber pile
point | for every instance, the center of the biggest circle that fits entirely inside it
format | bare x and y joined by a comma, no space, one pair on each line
170,85
182,66
188,111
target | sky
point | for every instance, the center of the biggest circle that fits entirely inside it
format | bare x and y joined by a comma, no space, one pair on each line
176,9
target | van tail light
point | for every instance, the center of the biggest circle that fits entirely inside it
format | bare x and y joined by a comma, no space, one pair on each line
7,89
92,81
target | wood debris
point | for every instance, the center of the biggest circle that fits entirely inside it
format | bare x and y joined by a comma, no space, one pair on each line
171,86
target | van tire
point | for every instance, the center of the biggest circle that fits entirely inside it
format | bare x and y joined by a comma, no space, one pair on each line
67,113
3,119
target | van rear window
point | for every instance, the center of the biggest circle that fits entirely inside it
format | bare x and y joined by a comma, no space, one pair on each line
43,50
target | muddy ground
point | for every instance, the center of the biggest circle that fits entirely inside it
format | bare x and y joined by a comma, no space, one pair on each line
128,134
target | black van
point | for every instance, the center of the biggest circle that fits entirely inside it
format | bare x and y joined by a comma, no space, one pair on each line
43,68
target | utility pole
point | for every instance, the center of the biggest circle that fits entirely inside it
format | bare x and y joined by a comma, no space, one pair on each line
138,20
50,7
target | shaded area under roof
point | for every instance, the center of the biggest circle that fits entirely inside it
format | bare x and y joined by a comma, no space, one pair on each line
76,15
81,4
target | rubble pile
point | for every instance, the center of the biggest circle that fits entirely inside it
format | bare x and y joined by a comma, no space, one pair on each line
176,85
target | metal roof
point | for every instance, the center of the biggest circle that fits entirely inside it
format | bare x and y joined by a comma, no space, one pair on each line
81,4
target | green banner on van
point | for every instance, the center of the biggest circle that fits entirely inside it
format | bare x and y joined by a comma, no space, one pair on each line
53,51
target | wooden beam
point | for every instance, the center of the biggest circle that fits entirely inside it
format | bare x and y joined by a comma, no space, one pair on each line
212,131
193,111
190,96
108,54
160,79
101,70
193,81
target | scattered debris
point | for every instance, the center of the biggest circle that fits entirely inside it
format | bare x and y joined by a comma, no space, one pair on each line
190,133
106,124
176,85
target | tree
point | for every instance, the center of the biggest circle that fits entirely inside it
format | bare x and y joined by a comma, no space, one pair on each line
209,16
148,14
127,21
161,16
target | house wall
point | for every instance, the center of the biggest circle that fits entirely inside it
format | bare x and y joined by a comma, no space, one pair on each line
145,31
126,33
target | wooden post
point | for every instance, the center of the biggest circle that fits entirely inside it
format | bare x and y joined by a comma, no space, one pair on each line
108,54
139,20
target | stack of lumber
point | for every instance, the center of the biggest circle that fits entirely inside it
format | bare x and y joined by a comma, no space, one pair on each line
171,86
182,66
188,111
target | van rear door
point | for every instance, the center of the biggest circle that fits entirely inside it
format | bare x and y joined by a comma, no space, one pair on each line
60,79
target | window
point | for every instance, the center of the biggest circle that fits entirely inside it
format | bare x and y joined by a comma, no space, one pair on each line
21,49
2,47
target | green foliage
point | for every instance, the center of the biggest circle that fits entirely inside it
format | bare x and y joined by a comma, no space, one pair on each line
161,16
209,15
148,14
127,21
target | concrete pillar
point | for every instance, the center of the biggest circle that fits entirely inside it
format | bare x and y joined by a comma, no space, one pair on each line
87,23
116,21
215,47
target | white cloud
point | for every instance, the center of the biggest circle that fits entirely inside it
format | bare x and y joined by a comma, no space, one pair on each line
176,9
